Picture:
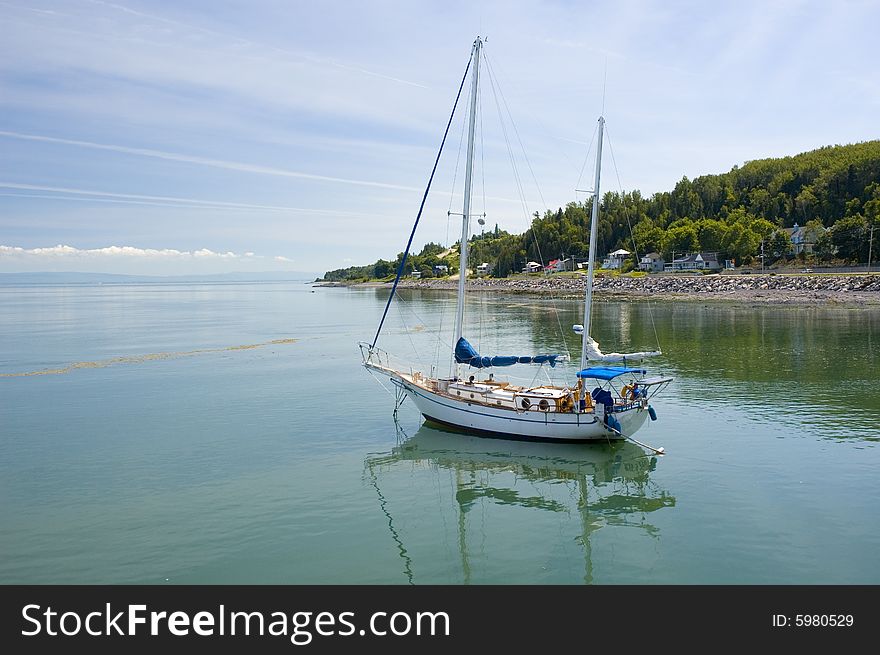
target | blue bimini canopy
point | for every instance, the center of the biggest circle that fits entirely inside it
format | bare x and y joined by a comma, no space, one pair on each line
608,372
465,354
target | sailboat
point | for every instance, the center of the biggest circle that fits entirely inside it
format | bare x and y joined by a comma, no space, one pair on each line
608,400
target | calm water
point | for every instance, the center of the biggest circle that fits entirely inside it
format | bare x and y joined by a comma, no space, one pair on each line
192,460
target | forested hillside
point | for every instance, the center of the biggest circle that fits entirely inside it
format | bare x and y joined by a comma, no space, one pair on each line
833,191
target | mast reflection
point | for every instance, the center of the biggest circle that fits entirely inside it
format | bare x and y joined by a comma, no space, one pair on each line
600,484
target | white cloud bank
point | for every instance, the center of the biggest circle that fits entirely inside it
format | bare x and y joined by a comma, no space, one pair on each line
117,251
133,260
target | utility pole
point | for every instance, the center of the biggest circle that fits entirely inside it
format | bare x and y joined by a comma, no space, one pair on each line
870,246
762,255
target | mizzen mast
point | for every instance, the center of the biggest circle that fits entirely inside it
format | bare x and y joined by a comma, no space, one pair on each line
594,231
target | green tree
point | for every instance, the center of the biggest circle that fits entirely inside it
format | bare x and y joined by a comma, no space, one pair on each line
850,237
711,234
824,247
763,228
648,237
779,244
681,239
741,243
382,269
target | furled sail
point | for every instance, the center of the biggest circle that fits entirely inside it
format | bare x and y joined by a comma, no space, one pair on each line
596,355
465,354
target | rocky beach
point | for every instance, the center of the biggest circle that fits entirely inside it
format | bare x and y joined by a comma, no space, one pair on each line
794,289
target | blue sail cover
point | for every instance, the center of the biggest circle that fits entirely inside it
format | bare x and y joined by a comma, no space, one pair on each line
465,354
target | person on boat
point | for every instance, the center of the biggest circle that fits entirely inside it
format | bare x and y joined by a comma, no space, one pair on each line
603,396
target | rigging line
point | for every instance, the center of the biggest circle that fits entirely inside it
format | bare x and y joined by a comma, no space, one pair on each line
656,336
500,91
387,390
553,298
516,176
517,179
622,197
604,85
408,305
536,118
406,329
547,375
561,331
587,156
455,173
400,268
519,140
537,375
439,331
438,337
631,233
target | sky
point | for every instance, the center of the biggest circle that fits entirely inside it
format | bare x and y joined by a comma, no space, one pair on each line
199,137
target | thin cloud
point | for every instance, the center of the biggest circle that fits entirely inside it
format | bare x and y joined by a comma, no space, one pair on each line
148,203
202,161
107,196
242,41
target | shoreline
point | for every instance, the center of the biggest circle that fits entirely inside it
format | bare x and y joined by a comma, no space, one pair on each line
763,289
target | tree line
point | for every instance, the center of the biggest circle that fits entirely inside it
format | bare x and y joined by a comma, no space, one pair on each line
832,192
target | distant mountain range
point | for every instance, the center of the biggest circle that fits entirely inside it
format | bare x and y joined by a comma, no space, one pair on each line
8,279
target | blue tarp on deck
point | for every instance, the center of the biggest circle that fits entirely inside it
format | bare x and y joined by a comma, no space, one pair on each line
465,354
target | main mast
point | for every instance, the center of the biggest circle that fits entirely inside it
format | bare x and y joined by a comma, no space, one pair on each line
465,212
594,230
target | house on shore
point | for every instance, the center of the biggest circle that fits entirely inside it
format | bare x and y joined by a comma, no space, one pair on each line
699,261
652,263
614,260
803,240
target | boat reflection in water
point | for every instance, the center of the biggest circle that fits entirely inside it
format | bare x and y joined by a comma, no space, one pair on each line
529,509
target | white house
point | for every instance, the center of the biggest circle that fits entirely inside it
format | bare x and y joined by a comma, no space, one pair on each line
485,268
699,261
651,263
533,267
614,260
802,239
564,265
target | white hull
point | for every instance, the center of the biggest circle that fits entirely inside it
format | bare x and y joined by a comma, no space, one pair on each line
483,420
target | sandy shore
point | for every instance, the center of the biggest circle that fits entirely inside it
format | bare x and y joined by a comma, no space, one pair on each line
807,289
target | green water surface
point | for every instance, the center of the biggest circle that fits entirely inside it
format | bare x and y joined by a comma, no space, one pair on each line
192,460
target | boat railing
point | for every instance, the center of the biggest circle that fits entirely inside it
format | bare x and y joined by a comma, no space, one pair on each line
376,358
373,355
